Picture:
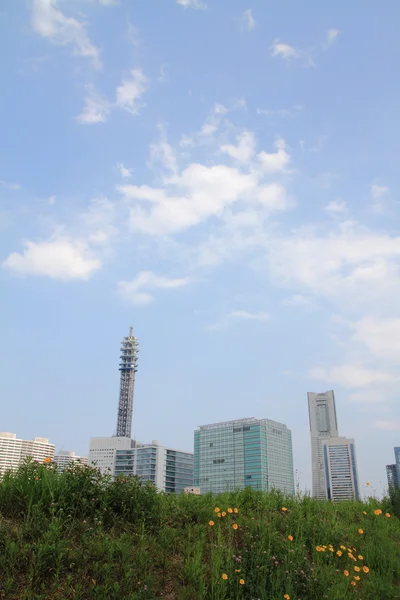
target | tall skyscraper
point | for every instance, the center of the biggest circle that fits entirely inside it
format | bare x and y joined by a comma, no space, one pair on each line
254,453
393,472
13,451
341,474
128,369
323,424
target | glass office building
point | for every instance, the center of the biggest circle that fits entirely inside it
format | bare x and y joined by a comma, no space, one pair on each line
171,471
254,453
393,472
340,469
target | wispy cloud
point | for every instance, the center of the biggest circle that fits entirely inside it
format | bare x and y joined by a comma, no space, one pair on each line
285,51
280,112
290,53
131,90
49,22
351,376
336,207
124,171
96,108
247,20
197,4
13,187
331,37
240,315
137,291
393,425
377,191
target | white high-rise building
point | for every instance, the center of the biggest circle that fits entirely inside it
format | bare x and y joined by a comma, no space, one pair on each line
323,424
14,451
65,458
103,451
340,469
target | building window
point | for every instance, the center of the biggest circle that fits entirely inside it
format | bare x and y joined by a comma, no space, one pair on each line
211,445
218,461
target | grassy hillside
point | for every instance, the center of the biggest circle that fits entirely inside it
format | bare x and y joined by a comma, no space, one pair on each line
80,536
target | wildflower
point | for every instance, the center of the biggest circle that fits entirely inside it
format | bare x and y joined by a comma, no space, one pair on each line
286,597
387,515
284,509
377,511
318,548
235,526
364,512
360,557
345,572
357,577
331,549
339,553
224,576
47,460
353,583
365,569
236,510
211,523
361,532
219,515
290,538
237,570
217,510
343,547
223,514
357,569
230,510
241,581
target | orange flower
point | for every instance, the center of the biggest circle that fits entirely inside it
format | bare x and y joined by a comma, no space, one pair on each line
230,510
387,515
360,557
223,514
364,512
365,569
377,511
235,526
219,515
357,577
353,583
241,581
224,576
290,538
217,510
345,572
357,569
361,531
211,523
236,510
343,547
284,508
286,597
237,570
47,460
368,484
339,553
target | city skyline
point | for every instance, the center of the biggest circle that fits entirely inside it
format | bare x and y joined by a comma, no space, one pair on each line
236,203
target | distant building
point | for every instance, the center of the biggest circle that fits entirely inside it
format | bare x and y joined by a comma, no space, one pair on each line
65,458
393,472
170,470
14,452
323,424
397,462
103,451
251,452
340,469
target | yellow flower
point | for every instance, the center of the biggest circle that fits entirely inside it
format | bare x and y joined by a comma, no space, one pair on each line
236,510
345,572
339,553
377,511
365,569
290,538
237,570
318,548
364,512
235,526
360,557
357,569
230,510
219,515
284,508
387,515
343,547
357,577
217,510
331,549
224,576
211,523
223,514
353,583
241,581
47,460
361,532
286,597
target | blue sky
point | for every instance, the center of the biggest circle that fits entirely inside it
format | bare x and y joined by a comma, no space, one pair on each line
224,177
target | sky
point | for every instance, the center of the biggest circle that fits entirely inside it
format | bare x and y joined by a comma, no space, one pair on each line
221,175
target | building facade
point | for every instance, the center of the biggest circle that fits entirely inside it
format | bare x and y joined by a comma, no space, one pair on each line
103,450
251,452
170,470
341,474
323,424
393,472
65,458
13,451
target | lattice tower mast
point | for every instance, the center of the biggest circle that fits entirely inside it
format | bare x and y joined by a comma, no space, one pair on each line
128,369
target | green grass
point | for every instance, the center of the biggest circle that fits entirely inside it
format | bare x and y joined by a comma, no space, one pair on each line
81,536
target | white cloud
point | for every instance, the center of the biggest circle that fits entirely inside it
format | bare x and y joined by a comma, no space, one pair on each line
393,425
129,93
13,187
96,109
197,4
240,315
277,161
336,207
124,171
136,291
351,376
297,300
245,148
59,258
108,2
162,155
49,22
380,335
247,20
331,37
285,51
377,191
